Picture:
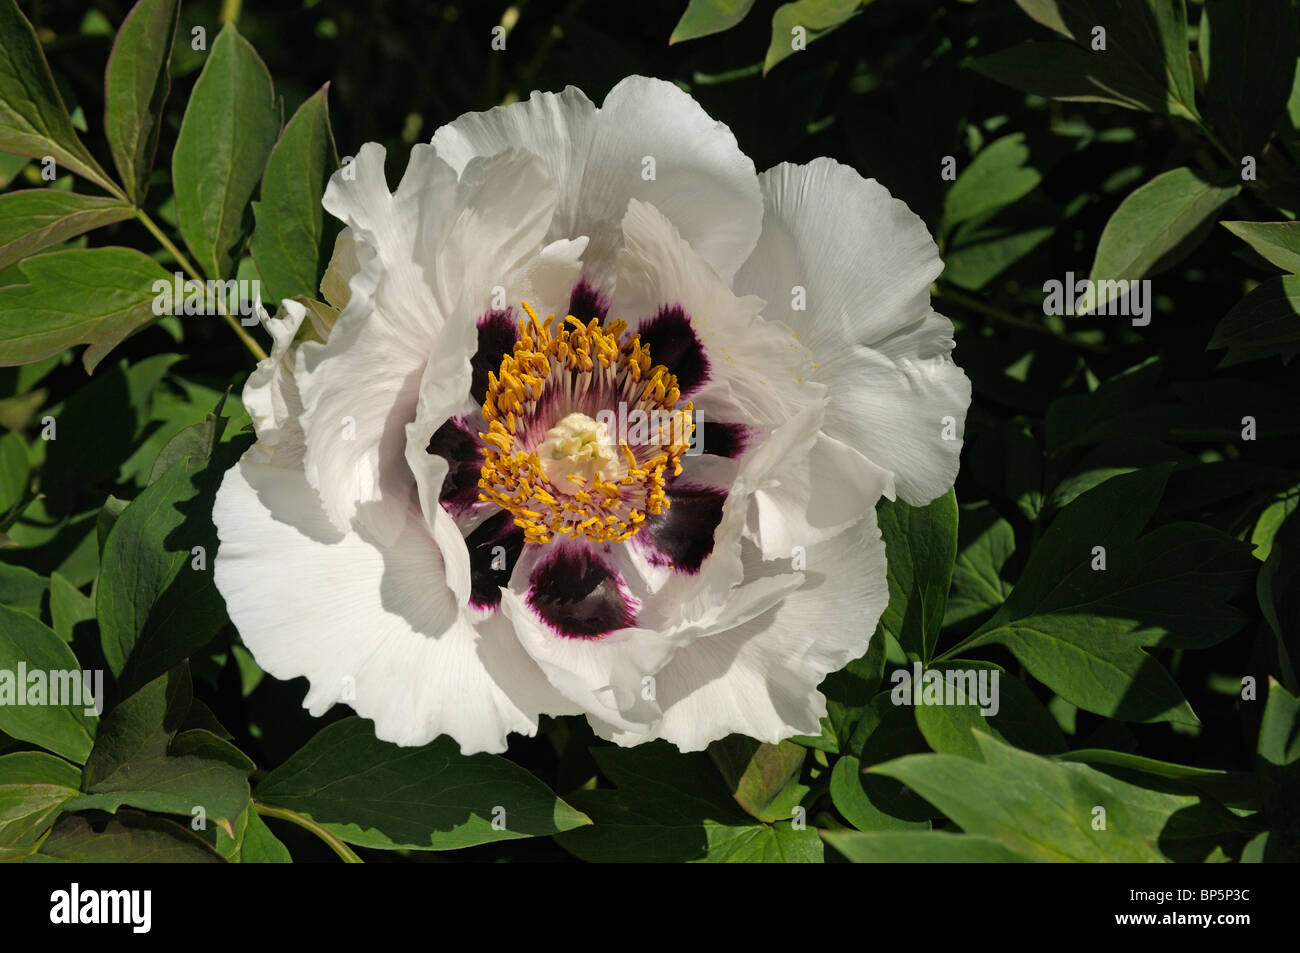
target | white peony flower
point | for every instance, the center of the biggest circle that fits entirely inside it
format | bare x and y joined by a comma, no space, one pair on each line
452,519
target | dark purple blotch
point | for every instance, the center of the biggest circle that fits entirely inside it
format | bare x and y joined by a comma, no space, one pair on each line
674,344
682,535
497,334
722,440
586,302
457,444
485,582
577,595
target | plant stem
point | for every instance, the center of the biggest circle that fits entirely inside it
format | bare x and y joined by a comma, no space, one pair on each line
253,347
348,855
1006,317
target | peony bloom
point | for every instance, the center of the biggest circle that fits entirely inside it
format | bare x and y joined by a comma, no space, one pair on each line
599,429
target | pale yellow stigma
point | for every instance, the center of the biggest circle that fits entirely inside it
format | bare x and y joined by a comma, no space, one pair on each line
582,447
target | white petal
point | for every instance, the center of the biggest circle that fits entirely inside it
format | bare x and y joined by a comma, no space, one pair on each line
815,496
432,274
701,180
442,390
271,393
557,127
376,624
906,413
757,368
699,177
760,678
388,226
545,281
344,264
502,211
603,676
864,263
359,390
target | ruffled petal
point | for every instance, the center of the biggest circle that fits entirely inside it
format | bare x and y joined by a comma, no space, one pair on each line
271,394
903,404
557,127
650,141
739,365
371,626
814,496
446,249
447,380
359,389
849,268
344,264
759,677
605,676
700,179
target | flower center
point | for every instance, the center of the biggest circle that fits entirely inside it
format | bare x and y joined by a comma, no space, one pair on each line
551,456
578,445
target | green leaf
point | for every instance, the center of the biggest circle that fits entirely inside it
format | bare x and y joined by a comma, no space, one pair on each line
1264,324
1157,226
705,17
174,409
1014,715
1278,242
848,692
97,425
1144,64
142,759
68,607
195,443
137,565
763,778
985,544
22,589
1007,459
128,838
27,646
920,547
291,244
34,786
1270,847
155,599
1248,55
11,166
1079,419
375,794
34,219
1111,458
226,135
135,88
259,845
15,471
1047,810
862,801
919,847
1279,734
979,256
1271,520
1278,591
804,21
999,175
1228,787
94,296
671,806
1080,629
33,120
1277,763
